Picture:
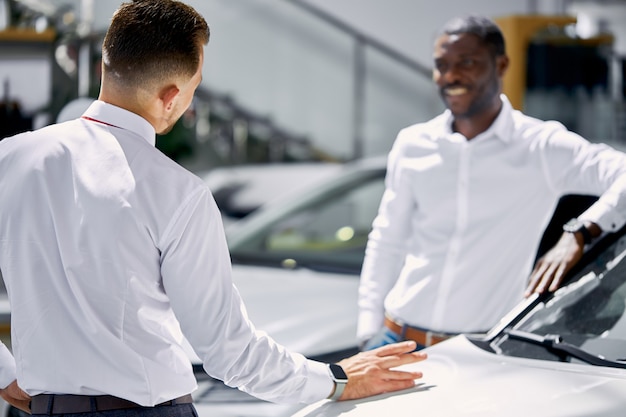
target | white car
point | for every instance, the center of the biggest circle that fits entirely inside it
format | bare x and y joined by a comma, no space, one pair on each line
558,355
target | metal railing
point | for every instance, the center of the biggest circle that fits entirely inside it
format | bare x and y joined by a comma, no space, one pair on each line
361,43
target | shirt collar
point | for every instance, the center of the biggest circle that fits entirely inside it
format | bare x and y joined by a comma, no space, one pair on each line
501,128
119,117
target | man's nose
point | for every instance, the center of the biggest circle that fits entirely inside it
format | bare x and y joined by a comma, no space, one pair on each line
451,75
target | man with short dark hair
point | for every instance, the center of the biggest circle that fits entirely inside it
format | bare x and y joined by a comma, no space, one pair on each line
111,252
468,195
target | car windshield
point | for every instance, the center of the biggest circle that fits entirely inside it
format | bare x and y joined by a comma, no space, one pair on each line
326,230
587,317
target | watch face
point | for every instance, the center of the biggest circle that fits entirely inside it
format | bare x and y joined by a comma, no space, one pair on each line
573,226
337,371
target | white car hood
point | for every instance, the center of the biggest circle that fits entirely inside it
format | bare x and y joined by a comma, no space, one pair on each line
284,303
463,380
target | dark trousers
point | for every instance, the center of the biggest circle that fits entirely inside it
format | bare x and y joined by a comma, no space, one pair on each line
179,410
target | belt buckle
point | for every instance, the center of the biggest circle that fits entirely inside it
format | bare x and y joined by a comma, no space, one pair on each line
429,338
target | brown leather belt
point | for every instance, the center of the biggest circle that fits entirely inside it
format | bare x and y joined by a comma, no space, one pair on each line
421,337
67,404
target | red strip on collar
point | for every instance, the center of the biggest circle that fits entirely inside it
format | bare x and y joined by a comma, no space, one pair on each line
97,121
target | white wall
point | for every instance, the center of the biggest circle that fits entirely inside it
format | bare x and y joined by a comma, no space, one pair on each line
411,25
406,25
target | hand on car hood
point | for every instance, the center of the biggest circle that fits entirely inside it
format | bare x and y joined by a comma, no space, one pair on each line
462,380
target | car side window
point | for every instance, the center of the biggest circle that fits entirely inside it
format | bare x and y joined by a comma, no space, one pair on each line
340,222
328,232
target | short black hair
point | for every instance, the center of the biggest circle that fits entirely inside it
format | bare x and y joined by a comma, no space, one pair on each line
482,27
151,40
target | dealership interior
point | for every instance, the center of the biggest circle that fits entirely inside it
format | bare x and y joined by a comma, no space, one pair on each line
315,80
299,105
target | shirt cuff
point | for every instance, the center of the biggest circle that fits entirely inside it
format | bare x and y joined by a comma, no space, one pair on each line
319,384
609,219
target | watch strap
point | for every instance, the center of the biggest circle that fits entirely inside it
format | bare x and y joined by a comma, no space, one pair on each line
340,379
574,226
587,238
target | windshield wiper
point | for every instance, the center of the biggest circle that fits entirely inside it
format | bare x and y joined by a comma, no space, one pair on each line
556,344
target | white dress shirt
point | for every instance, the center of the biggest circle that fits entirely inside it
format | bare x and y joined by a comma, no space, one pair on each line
111,252
460,221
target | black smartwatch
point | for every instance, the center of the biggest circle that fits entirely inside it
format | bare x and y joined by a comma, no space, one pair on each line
339,377
575,226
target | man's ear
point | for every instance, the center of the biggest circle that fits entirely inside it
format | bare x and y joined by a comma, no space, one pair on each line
502,64
167,96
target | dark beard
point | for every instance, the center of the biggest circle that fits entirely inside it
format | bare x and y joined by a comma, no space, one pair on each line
483,102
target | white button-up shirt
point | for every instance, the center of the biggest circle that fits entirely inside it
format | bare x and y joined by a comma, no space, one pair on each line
460,221
110,252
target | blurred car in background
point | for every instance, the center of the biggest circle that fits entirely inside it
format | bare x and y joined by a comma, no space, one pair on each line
556,355
240,189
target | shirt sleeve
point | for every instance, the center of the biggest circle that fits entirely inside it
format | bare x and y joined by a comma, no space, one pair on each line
7,366
386,246
196,271
580,167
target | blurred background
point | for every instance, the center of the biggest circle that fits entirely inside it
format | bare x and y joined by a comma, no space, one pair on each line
320,80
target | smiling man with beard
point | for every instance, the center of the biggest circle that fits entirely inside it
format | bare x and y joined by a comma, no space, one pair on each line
468,196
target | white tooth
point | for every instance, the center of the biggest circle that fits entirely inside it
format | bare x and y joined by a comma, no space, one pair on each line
456,91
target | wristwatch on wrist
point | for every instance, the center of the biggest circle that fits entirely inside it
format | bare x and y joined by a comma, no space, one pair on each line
575,226
339,378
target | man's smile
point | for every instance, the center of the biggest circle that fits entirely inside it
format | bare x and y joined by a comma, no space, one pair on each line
455,91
